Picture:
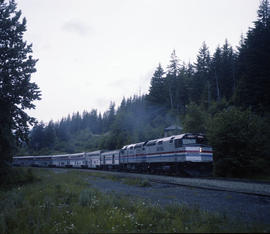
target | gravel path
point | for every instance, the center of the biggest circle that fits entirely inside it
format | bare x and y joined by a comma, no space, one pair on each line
248,208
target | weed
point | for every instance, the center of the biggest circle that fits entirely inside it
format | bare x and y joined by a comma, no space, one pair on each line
145,183
88,198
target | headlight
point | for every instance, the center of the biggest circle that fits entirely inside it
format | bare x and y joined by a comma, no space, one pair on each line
200,149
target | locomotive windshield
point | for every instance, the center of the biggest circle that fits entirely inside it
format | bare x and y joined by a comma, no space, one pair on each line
202,140
191,140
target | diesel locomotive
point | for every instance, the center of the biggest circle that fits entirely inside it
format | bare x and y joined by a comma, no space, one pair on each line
187,154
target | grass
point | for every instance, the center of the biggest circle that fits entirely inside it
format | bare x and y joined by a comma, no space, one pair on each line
66,203
140,182
137,182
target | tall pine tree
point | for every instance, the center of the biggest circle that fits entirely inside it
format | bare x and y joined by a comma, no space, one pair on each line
201,79
254,63
157,92
17,92
171,79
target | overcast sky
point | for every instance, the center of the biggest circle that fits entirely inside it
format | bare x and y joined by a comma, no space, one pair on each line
92,52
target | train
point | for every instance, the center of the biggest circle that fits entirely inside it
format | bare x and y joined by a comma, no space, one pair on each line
187,154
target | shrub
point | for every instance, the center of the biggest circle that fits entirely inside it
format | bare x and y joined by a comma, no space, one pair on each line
16,176
240,140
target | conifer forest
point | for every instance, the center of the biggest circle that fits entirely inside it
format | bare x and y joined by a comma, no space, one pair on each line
224,94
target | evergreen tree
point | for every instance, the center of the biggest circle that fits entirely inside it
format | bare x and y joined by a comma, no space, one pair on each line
216,70
49,135
182,94
37,137
195,119
157,92
222,72
171,79
109,116
263,13
227,76
254,63
17,93
201,89
62,130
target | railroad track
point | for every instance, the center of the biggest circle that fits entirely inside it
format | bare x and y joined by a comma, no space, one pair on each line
217,184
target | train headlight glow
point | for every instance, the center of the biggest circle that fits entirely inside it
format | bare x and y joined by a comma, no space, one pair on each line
200,149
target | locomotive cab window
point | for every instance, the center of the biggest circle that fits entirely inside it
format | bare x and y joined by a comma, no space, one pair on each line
189,141
178,143
202,140
171,140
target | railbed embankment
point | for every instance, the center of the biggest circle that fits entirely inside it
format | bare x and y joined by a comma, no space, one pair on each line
248,187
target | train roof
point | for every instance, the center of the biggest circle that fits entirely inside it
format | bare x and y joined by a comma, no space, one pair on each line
180,136
32,157
111,151
23,157
127,146
77,155
43,156
137,145
60,156
95,152
150,143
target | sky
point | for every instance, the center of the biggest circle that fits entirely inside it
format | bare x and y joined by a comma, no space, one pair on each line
94,52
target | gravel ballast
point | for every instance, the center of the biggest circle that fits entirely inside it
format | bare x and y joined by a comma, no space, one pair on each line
256,188
247,208
236,199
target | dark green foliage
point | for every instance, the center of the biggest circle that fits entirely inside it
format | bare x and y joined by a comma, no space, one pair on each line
17,93
15,176
241,143
222,73
195,119
201,90
254,63
157,90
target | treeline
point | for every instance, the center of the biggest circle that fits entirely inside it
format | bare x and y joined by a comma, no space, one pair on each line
225,95
210,78
134,120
